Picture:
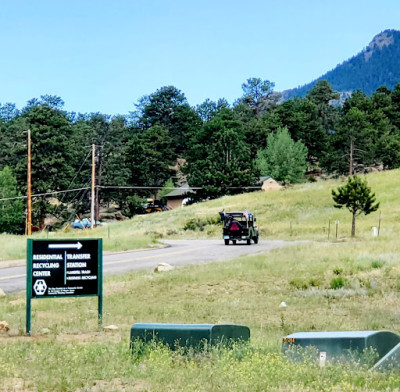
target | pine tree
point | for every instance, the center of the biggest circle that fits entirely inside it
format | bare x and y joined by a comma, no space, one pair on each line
357,197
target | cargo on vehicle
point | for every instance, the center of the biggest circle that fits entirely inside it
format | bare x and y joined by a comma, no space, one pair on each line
239,226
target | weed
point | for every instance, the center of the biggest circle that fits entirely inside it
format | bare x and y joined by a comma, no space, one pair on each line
377,264
338,282
299,283
337,270
314,282
194,224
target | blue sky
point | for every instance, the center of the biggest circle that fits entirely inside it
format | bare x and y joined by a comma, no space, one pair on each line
103,55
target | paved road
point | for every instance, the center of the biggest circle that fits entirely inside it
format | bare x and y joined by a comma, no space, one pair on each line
177,253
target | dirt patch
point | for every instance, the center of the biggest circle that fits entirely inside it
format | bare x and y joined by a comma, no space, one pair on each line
81,338
86,338
116,385
14,384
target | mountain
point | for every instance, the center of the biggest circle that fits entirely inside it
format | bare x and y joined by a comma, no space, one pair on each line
377,65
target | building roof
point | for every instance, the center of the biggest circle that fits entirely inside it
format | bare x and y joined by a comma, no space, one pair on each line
183,191
265,178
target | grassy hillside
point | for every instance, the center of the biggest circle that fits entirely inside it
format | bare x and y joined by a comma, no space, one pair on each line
344,285
300,212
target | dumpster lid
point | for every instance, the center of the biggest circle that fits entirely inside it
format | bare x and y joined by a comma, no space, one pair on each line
333,334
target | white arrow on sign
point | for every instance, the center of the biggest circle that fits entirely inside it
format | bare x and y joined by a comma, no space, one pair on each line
78,245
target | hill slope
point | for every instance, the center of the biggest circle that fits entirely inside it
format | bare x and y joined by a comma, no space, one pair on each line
297,213
377,65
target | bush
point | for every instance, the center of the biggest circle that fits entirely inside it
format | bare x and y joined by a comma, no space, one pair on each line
377,264
315,282
134,205
299,283
338,282
199,224
337,270
194,224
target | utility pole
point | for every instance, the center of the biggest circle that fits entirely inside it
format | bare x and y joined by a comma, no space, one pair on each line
351,155
29,189
93,196
98,178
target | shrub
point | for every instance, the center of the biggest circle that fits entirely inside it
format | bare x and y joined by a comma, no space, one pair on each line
315,282
299,283
338,282
194,224
337,270
198,224
377,264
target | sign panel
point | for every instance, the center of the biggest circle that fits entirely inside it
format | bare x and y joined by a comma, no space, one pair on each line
64,268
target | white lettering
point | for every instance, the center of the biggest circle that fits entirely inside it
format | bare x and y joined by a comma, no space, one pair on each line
41,273
47,257
45,265
76,265
78,256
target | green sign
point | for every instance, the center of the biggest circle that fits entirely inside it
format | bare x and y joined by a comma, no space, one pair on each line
64,268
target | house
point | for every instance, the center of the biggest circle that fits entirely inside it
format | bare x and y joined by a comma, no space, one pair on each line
178,197
269,184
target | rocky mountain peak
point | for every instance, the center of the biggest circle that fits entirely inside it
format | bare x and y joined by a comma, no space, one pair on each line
381,40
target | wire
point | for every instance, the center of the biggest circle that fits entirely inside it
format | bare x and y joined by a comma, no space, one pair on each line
44,194
139,187
120,187
161,187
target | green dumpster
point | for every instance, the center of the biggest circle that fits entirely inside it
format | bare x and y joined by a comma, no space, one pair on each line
189,335
341,343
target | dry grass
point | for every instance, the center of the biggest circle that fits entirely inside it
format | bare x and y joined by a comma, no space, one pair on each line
300,212
247,291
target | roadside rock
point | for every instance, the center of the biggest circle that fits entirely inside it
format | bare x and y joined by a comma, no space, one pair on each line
162,267
110,328
4,326
2,293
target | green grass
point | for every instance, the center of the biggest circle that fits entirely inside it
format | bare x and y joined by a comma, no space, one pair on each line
327,285
246,291
300,212
116,237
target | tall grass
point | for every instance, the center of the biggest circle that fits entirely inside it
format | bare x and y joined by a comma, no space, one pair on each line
300,212
247,291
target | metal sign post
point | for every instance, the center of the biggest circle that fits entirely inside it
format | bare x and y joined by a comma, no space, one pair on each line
64,268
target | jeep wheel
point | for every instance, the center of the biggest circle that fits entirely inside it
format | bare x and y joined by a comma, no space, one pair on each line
226,242
255,239
234,242
249,241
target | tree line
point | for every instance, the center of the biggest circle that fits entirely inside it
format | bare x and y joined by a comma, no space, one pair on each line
224,148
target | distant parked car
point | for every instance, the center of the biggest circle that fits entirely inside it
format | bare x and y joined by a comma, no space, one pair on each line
154,206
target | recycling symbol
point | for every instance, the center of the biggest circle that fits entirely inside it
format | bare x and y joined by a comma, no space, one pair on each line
40,287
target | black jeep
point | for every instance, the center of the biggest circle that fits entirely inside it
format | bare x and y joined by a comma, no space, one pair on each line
239,226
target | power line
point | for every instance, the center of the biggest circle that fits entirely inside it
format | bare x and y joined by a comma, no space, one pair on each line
121,187
138,187
161,187
43,194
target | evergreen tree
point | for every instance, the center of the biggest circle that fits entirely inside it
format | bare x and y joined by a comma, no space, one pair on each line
357,197
219,159
51,155
12,217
